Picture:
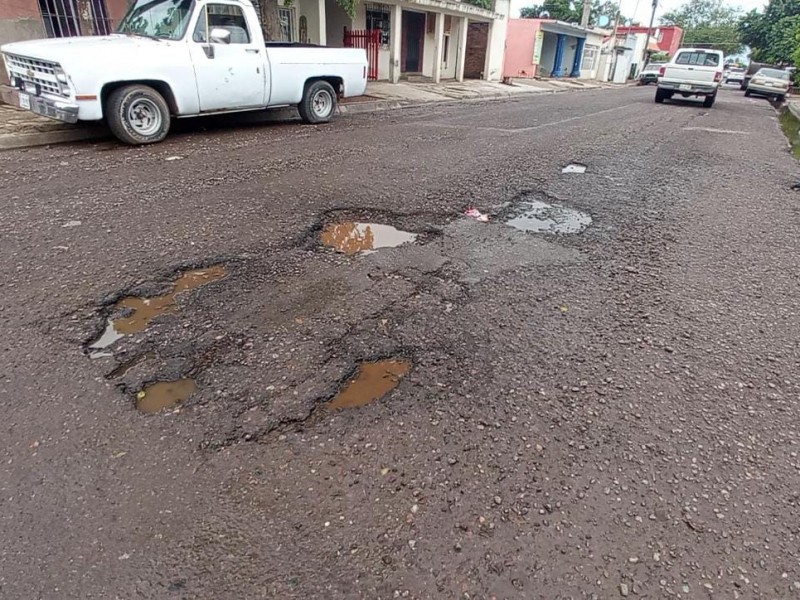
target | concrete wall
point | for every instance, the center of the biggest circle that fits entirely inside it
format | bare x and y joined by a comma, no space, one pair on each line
336,20
548,54
497,42
449,66
310,9
520,45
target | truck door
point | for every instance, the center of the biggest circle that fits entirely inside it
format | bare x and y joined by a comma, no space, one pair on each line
230,69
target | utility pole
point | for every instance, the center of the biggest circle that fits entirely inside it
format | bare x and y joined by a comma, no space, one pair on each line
587,11
614,41
649,29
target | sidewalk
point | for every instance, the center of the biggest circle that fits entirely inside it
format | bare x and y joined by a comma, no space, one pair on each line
20,128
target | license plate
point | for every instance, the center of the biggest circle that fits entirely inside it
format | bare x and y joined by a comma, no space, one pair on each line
25,101
684,86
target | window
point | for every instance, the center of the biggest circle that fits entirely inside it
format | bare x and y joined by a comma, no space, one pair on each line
701,59
589,57
378,18
446,48
222,16
774,73
61,18
165,19
286,18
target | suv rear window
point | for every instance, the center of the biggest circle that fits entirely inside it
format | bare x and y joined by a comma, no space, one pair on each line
697,58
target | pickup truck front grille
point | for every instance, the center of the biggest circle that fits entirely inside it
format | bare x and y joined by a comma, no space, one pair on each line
31,70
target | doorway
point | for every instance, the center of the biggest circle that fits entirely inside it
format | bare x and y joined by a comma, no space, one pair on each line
413,40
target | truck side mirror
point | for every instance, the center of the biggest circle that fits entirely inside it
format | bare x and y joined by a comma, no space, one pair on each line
220,36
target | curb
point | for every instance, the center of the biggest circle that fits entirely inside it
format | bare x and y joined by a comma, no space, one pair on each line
794,109
16,141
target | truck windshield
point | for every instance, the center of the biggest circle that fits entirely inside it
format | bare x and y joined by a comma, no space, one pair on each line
163,19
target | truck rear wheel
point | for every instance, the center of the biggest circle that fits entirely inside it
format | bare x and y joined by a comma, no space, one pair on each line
137,114
318,103
661,95
747,93
708,101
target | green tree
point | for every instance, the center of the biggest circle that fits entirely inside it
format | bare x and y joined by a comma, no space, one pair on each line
560,10
772,35
487,4
571,12
708,24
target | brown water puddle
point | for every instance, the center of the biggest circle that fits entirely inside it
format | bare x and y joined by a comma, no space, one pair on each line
373,381
147,309
352,237
164,394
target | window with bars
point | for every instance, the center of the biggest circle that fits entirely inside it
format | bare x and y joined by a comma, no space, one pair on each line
589,57
286,17
379,17
62,17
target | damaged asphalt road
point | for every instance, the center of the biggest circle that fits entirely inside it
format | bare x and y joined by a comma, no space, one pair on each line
609,411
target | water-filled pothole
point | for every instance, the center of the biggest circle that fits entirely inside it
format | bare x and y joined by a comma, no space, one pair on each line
147,309
164,394
536,216
372,381
352,237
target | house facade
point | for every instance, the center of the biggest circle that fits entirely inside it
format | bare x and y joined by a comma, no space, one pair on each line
549,48
432,39
32,19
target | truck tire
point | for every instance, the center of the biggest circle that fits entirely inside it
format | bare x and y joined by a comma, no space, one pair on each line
137,114
747,93
661,95
318,103
708,101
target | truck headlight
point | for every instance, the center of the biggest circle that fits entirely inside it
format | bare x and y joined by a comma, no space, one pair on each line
63,82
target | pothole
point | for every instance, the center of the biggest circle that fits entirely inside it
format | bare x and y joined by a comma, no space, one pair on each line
535,216
574,168
372,381
145,309
352,237
164,394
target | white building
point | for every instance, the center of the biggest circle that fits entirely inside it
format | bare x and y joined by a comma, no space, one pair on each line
435,39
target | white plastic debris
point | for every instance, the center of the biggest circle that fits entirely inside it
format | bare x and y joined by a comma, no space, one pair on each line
474,213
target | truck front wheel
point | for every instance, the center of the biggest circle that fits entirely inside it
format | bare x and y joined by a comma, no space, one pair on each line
318,103
138,114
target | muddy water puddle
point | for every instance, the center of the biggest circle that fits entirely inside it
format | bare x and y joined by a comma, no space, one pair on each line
164,394
144,310
535,216
372,381
353,237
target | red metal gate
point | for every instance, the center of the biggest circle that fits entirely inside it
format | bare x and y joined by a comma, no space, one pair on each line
369,40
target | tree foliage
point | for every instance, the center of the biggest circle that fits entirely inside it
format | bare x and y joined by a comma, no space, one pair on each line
487,4
569,11
772,35
708,24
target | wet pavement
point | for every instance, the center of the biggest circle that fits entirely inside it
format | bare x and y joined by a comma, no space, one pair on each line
610,410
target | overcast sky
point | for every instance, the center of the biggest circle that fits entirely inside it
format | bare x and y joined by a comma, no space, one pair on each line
640,11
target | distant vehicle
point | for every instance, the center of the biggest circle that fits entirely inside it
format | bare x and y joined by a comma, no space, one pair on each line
179,58
692,72
733,75
773,83
649,74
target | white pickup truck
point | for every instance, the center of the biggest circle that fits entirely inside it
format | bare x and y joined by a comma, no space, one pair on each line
179,58
692,72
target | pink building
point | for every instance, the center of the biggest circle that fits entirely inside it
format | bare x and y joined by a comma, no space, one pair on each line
547,48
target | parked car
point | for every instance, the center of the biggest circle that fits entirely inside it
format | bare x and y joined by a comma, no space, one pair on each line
649,74
692,72
179,58
733,75
752,69
773,83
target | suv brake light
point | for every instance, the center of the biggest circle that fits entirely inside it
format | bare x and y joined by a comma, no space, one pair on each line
717,76
661,71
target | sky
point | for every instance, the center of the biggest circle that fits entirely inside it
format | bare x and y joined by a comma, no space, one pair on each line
640,11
